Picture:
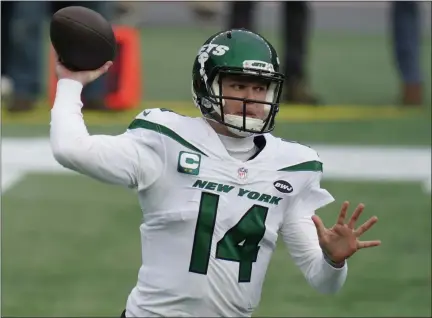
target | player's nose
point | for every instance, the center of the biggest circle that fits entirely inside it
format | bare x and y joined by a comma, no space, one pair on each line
250,93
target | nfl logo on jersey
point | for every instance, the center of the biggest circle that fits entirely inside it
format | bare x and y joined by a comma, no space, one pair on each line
242,173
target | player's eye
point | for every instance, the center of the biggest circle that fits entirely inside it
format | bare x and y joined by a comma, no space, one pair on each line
260,88
238,87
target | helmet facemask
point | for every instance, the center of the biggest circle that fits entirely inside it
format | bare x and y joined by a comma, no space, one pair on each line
243,125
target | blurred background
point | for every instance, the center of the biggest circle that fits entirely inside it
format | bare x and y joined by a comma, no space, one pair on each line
358,90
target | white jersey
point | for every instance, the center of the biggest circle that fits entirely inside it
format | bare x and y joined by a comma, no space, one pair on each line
210,221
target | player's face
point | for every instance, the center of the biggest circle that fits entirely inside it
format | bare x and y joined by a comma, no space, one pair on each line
245,88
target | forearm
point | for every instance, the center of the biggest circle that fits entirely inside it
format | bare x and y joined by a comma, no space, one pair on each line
301,240
325,278
67,125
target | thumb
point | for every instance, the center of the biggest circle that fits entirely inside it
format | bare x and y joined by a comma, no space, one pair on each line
319,225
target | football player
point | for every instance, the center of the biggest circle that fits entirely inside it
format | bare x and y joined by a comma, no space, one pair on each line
216,190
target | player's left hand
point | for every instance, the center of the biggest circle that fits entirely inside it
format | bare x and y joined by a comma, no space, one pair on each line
342,240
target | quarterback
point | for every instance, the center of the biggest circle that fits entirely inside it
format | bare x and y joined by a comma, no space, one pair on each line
215,191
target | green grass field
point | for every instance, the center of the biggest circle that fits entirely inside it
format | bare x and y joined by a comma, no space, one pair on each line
70,245
71,248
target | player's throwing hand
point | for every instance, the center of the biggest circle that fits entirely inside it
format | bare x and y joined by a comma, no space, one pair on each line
84,77
342,240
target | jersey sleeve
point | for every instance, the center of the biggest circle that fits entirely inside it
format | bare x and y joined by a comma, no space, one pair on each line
122,159
300,237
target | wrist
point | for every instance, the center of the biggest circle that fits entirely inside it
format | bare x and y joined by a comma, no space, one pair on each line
333,263
70,83
68,93
69,87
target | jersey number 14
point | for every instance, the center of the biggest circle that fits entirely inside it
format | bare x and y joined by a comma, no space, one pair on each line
239,244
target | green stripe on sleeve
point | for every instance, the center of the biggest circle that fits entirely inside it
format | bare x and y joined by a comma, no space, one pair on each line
305,166
141,123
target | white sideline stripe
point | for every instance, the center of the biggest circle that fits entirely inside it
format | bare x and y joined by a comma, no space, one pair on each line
363,163
376,163
10,178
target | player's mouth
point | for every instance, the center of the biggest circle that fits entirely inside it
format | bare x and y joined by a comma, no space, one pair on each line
248,114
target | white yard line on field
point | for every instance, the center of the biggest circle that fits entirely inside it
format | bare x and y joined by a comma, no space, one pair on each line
379,163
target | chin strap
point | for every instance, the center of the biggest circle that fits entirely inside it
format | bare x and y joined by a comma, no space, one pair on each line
254,124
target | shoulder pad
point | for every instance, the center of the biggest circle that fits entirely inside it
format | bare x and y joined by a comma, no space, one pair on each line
160,120
161,116
157,114
298,157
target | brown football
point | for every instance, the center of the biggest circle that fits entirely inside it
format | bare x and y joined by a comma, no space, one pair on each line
83,39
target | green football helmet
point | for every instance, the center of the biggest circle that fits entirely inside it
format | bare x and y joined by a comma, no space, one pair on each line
242,53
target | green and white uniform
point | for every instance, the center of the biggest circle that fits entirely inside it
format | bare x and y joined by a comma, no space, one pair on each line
211,217
210,221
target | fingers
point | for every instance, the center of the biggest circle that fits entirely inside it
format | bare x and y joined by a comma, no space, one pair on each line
366,244
343,212
356,215
93,75
365,226
319,225
106,66
342,230
84,77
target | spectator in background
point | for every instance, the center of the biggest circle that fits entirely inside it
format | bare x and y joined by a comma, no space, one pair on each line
406,32
23,49
6,84
205,10
296,36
